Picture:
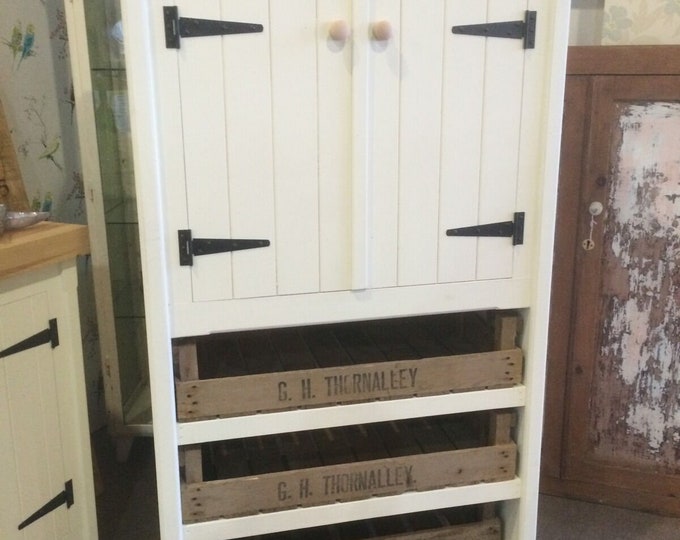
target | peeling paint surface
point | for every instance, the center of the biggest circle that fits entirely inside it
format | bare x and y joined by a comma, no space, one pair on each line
636,401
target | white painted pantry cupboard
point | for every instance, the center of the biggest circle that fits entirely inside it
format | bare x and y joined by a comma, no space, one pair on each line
322,161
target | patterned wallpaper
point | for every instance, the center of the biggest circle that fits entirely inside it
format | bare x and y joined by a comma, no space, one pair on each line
641,22
37,97
36,92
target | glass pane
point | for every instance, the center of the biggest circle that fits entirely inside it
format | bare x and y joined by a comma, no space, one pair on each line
109,86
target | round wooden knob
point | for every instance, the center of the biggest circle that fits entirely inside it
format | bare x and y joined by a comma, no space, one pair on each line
382,31
339,31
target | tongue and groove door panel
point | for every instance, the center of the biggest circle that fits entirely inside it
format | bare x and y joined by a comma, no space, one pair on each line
30,432
266,143
482,100
352,157
443,129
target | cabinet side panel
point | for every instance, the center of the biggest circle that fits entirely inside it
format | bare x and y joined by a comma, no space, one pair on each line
294,100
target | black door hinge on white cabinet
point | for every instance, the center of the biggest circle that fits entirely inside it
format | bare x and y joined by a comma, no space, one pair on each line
65,497
49,335
193,247
511,229
525,30
177,27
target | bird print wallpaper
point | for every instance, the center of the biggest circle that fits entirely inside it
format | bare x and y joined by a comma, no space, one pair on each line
641,22
36,93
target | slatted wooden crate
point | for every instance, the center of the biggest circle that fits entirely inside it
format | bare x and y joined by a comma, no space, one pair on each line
276,472
446,524
272,370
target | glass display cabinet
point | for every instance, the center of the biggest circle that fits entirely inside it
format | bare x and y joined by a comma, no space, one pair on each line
100,91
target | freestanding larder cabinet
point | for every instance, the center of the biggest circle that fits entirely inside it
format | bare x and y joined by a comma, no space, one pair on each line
334,197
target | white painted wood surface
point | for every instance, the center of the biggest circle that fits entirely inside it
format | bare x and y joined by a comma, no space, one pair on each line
44,433
353,157
529,143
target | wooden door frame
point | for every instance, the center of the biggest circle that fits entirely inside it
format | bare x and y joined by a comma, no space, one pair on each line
583,63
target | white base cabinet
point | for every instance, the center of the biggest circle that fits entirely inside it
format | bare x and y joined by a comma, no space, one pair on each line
46,476
324,161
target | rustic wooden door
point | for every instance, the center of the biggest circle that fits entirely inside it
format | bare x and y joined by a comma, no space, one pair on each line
614,433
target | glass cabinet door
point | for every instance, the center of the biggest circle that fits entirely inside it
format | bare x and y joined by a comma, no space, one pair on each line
124,353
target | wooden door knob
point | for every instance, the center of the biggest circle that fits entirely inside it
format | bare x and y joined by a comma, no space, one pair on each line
382,31
339,31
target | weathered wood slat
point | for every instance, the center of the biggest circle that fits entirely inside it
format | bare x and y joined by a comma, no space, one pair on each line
397,438
325,347
258,354
285,390
224,356
397,528
346,482
482,530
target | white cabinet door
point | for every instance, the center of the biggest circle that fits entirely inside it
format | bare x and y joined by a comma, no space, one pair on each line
482,102
265,137
44,437
351,157
29,421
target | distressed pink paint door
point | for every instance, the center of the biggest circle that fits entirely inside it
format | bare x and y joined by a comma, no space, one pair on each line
623,411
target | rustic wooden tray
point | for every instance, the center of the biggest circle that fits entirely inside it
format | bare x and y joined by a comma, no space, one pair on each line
273,370
276,472
451,523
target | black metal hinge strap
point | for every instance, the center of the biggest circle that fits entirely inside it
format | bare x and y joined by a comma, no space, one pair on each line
525,30
177,27
65,497
49,335
190,247
511,229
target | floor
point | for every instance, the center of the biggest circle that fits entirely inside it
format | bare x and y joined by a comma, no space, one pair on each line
126,506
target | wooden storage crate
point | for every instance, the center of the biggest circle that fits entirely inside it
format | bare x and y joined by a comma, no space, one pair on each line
276,472
281,369
462,523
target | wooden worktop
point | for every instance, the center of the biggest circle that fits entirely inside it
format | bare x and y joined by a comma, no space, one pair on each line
41,245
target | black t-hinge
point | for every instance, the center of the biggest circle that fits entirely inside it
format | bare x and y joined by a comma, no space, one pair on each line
177,27
190,247
65,497
511,229
49,335
525,30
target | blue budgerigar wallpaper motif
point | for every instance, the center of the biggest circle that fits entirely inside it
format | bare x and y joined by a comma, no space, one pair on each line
36,92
